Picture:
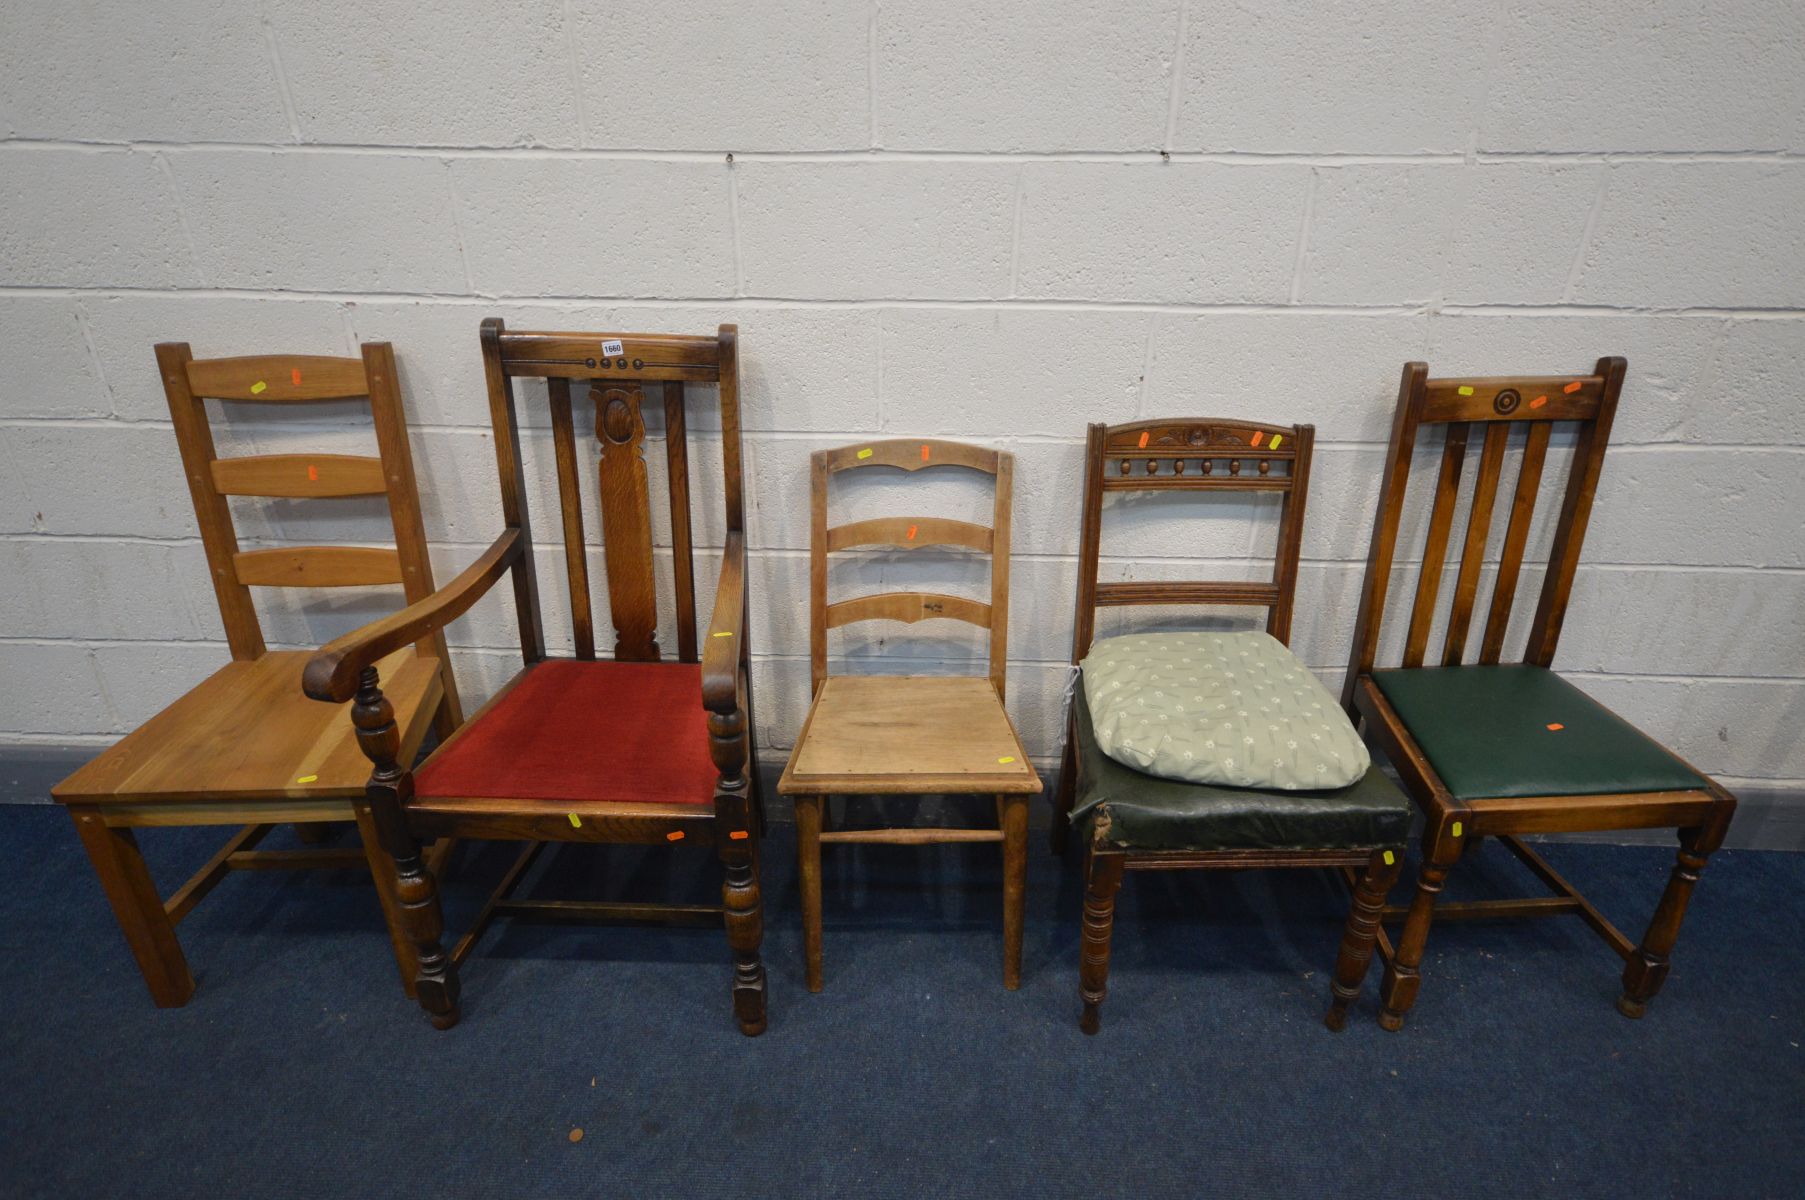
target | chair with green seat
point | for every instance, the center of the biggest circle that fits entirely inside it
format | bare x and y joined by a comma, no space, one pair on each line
1487,747
1131,819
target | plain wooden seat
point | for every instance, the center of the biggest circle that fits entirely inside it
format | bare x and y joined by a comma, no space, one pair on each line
245,730
869,734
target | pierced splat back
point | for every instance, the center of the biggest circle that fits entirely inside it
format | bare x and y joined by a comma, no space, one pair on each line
617,367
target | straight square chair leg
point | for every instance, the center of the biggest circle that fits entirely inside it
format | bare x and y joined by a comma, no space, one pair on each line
137,907
1402,977
1361,932
1103,879
744,918
808,863
1647,967
1012,812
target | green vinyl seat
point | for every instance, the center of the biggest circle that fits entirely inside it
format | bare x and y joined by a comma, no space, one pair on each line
1523,731
1118,806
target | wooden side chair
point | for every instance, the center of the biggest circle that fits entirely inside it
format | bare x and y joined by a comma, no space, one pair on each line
1487,747
245,747
910,734
1133,821
639,748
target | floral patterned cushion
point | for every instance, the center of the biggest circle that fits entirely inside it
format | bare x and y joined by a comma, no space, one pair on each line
1236,709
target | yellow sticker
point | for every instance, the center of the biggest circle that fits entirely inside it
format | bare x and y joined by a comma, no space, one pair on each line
1007,758
865,453
1276,439
1389,858
307,779
576,822
723,633
258,387
1457,829
1466,391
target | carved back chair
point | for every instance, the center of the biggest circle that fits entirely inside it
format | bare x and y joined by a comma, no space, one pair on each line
1136,821
640,748
910,734
1488,746
245,746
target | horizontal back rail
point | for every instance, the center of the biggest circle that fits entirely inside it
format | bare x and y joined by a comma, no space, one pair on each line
909,454
910,533
317,566
1197,592
1513,398
648,357
299,475
277,378
908,607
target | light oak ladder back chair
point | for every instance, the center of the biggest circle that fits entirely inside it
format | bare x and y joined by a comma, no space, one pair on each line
1133,821
910,734
245,747
1487,747
637,749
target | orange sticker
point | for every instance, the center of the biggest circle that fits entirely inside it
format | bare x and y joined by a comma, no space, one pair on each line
738,835
1257,438
1538,402
911,533
1556,726
296,376
675,835
924,454
1571,388
1143,441
313,473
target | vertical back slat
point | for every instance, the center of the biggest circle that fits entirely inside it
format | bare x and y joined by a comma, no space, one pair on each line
676,453
1576,511
1516,538
404,505
627,521
1472,555
999,573
1089,544
570,504
195,441
510,470
1291,537
730,427
1435,551
1412,393
817,571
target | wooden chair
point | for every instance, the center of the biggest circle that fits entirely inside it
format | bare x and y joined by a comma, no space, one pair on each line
1490,748
246,745
910,734
1155,824
639,749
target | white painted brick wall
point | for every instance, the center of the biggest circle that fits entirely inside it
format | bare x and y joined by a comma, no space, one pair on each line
992,222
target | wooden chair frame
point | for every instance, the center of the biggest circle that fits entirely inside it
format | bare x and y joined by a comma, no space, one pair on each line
105,800
1183,455
1702,816
1011,787
617,365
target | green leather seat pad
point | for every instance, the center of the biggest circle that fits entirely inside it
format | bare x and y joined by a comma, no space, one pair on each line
1145,812
1485,730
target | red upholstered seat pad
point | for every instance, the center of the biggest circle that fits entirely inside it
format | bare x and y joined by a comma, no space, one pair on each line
619,731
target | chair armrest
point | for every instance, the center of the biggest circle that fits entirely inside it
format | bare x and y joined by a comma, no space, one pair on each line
331,674
726,630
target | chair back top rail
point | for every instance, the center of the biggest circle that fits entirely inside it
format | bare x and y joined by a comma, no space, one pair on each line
1193,454
290,379
910,533
616,366
1489,412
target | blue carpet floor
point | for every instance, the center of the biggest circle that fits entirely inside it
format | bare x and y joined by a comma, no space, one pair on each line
300,1070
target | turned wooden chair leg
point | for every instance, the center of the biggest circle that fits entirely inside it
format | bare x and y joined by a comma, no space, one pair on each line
1361,932
1402,973
745,932
808,864
1013,814
1062,796
1647,967
1103,879
383,873
137,907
